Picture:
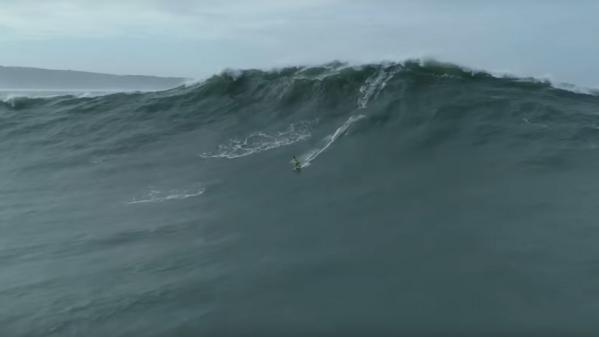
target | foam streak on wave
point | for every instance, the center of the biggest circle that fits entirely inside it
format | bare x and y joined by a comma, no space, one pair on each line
371,88
261,141
307,158
374,85
155,196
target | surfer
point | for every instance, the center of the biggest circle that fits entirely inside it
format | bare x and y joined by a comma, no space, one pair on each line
297,166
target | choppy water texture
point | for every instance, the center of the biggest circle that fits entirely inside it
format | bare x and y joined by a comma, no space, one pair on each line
433,200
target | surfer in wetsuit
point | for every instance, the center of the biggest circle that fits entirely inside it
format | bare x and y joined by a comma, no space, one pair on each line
296,164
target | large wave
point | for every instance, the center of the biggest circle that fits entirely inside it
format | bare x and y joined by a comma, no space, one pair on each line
428,190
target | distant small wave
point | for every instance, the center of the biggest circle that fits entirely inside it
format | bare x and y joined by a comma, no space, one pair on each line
155,196
10,95
261,141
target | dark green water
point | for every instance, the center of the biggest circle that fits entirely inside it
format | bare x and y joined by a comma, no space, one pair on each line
434,201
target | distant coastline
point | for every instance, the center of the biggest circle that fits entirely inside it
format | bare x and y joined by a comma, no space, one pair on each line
38,79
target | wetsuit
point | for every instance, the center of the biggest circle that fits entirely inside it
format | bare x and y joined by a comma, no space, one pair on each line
296,164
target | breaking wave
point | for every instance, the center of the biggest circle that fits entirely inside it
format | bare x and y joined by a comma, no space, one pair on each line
430,190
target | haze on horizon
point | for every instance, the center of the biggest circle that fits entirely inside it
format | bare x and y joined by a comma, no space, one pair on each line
542,38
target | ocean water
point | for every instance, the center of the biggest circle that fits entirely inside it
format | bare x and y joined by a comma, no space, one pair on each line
433,201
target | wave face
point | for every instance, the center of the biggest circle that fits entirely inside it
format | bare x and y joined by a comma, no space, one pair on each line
432,200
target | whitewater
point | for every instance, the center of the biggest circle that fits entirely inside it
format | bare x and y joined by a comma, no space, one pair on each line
433,200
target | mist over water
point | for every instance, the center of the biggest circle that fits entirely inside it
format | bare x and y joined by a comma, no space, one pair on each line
433,200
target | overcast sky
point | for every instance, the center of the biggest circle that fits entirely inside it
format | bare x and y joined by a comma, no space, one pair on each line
558,39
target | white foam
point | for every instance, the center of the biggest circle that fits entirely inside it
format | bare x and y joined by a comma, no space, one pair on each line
546,79
331,70
155,196
261,141
9,99
307,158
235,74
374,84
576,89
